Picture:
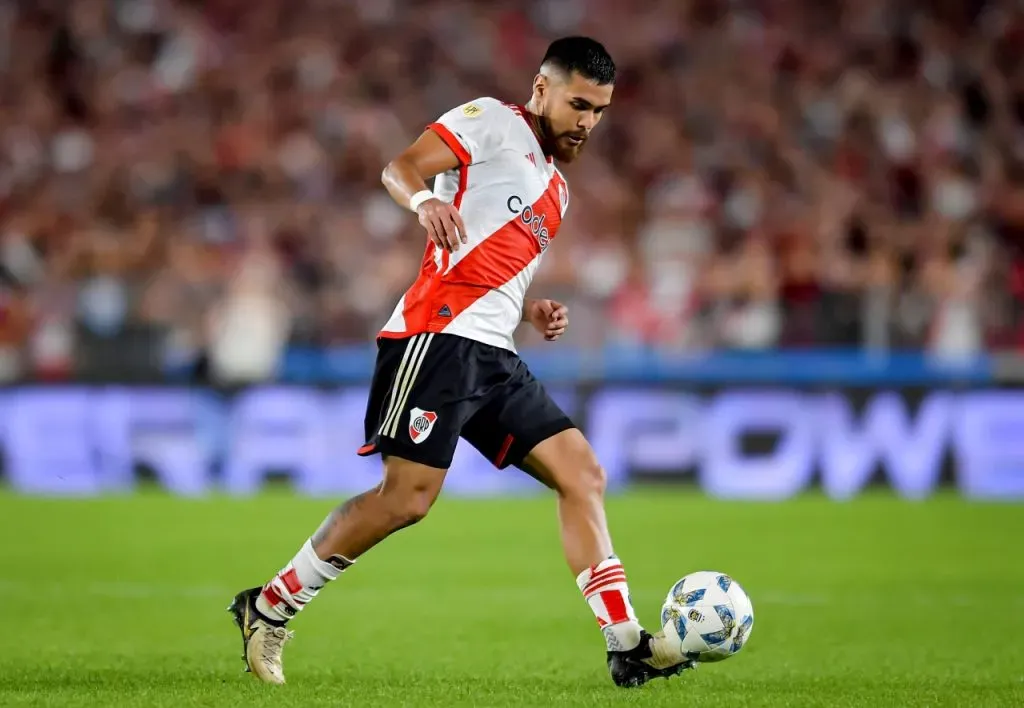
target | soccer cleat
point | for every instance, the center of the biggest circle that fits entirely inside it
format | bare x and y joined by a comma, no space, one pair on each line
262,640
630,668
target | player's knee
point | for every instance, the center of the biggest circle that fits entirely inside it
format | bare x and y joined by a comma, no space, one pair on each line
409,494
409,507
593,477
585,476
567,463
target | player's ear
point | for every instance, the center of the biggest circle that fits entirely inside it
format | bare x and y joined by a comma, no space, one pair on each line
540,85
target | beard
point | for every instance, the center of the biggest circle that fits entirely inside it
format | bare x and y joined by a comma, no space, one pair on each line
566,150
559,145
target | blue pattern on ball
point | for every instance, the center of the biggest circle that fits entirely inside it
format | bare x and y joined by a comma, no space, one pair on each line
692,597
713,639
681,625
725,614
724,582
741,634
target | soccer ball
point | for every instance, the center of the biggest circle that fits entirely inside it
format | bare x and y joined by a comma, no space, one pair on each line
710,616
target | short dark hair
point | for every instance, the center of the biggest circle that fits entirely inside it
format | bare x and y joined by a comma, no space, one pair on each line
584,56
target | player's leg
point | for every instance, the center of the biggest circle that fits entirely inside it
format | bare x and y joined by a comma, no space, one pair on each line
526,428
566,462
580,496
404,496
414,414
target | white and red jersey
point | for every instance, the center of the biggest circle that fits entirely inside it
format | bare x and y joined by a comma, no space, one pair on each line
511,199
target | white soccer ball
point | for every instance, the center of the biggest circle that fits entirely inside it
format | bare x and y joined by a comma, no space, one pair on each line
710,616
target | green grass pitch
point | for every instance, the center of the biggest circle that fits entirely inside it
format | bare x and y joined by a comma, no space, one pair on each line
874,602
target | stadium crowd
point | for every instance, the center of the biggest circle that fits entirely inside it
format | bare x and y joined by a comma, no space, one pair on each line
771,173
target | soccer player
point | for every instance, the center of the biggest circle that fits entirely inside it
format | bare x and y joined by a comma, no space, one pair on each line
447,365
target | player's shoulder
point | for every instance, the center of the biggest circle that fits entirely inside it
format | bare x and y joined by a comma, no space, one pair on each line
487,108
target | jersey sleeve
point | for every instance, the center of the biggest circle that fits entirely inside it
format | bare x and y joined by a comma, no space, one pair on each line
474,131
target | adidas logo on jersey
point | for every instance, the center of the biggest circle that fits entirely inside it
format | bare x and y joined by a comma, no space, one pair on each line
445,311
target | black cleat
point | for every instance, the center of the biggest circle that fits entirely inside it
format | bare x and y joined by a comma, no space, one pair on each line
629,668
263,639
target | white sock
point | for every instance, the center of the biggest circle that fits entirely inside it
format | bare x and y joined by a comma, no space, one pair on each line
298,583
605,589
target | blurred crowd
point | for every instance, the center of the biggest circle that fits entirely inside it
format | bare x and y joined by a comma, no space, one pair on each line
199,181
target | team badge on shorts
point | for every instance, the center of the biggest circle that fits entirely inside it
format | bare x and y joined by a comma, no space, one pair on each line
421,422
471,110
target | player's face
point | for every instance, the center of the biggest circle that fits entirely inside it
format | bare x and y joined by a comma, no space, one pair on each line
573,107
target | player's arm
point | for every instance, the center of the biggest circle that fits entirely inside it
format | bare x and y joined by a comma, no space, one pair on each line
406,177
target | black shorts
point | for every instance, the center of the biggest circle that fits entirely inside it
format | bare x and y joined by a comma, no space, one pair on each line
429,390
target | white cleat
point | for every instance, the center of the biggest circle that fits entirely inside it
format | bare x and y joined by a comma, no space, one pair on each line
262,642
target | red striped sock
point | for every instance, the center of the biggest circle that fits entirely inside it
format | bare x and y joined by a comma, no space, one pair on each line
605,589
287,593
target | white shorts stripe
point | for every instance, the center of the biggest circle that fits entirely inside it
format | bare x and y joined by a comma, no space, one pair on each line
399,377
416,364
412,361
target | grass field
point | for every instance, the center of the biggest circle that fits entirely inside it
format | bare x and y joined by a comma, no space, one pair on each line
120,602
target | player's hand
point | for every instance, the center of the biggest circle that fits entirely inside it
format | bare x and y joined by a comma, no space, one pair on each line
443,224
548,317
